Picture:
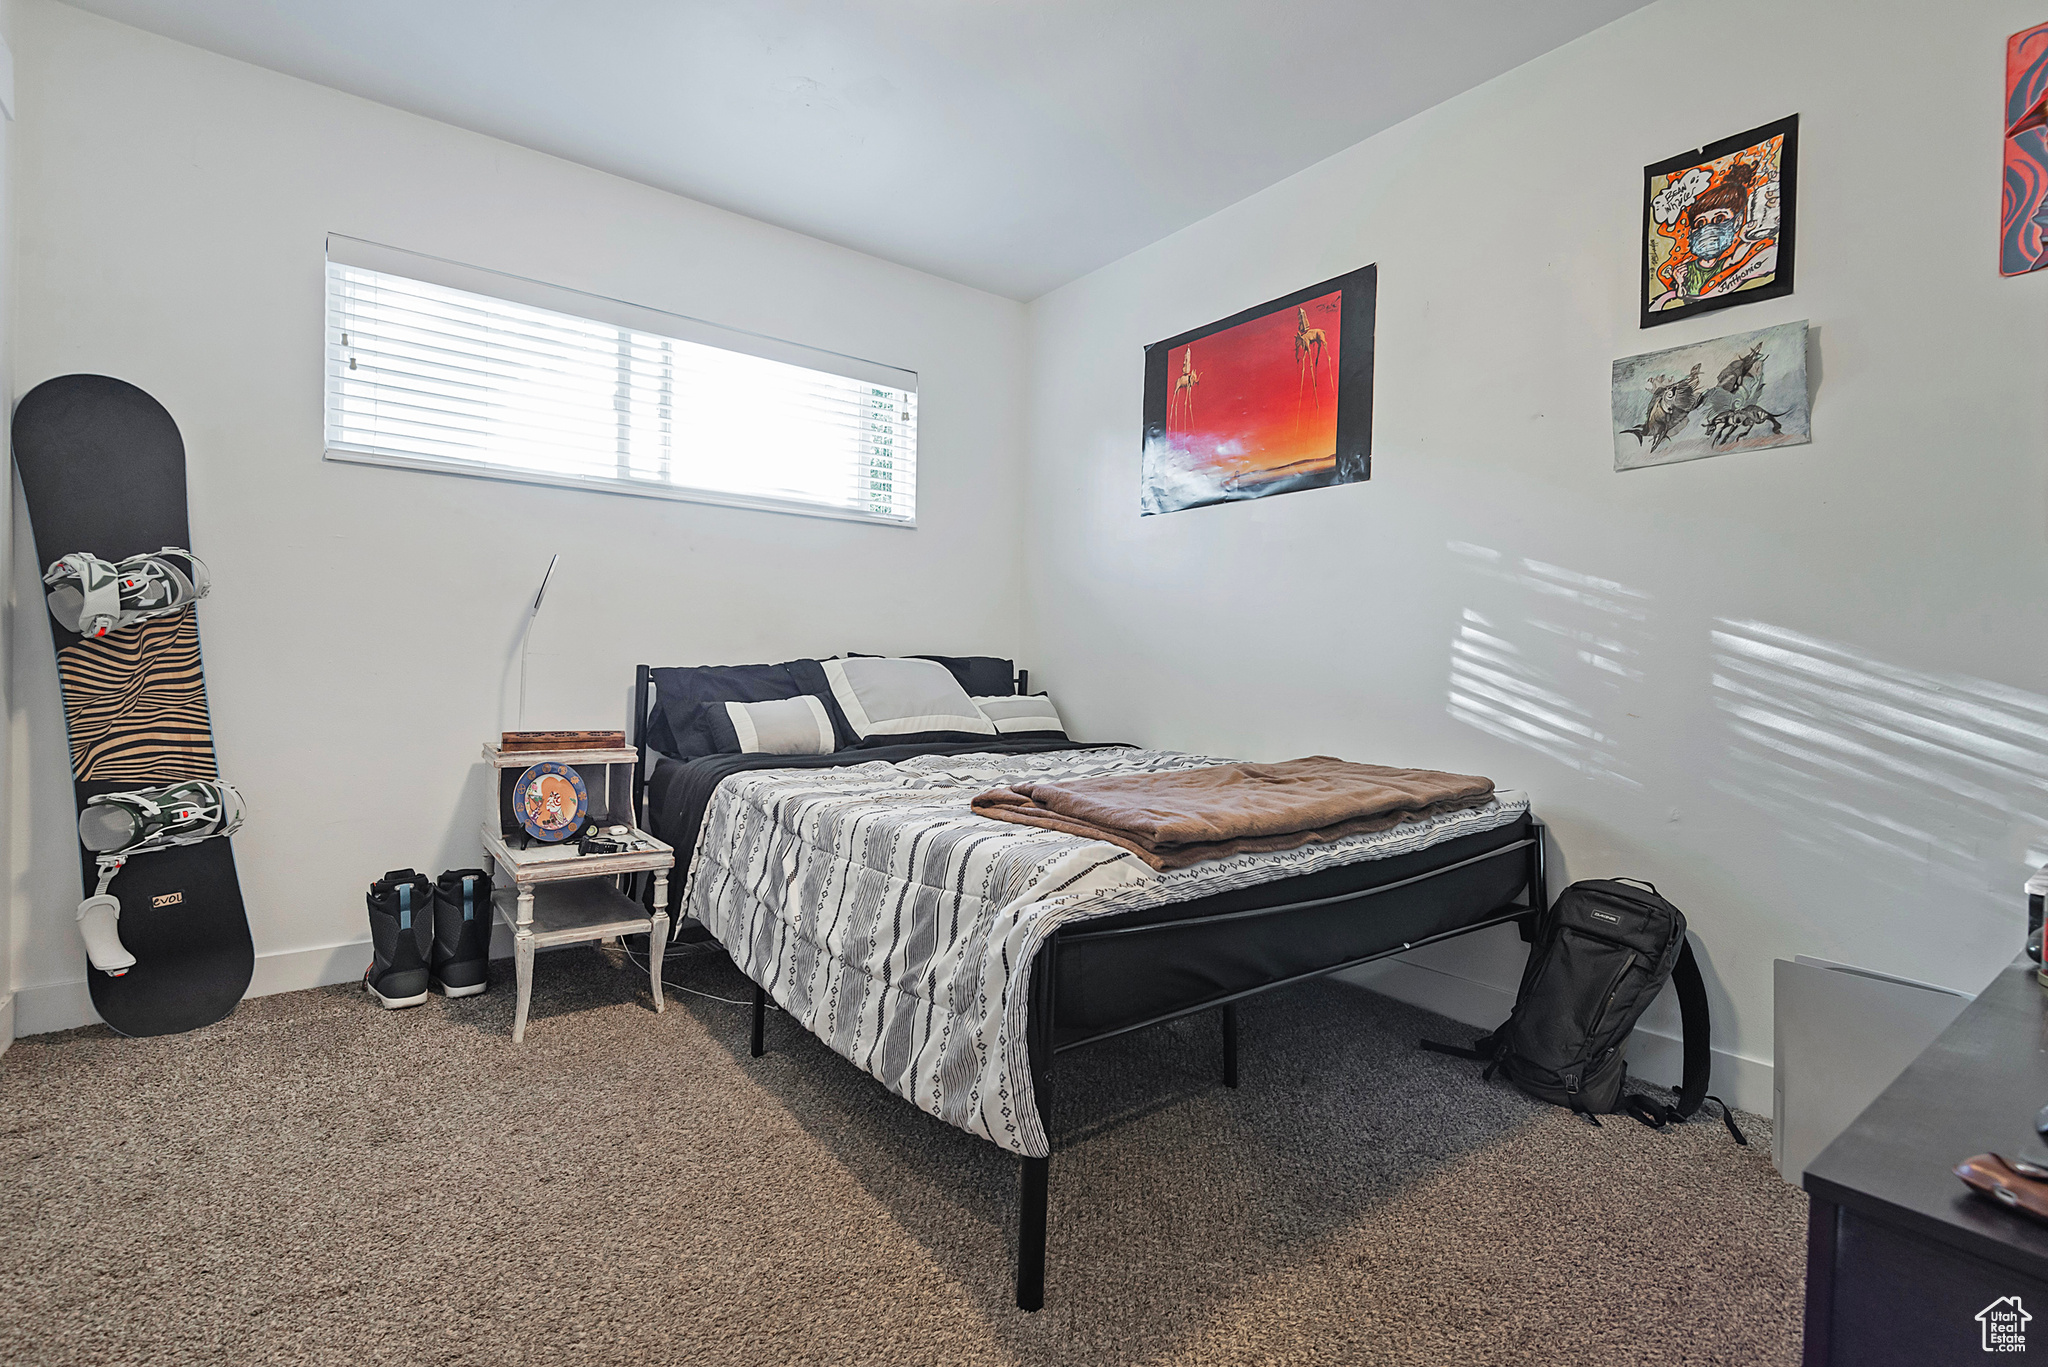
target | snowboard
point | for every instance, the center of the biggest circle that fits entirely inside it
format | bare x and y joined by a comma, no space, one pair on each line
103,470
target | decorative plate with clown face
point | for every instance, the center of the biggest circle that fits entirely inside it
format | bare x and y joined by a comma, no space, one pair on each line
550,801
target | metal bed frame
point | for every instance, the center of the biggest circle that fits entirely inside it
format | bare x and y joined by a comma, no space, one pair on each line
1043,1017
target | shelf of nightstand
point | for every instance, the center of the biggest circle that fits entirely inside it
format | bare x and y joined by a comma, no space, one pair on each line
571,913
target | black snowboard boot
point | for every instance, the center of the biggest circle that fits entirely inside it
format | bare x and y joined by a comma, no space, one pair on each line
462,932
401,927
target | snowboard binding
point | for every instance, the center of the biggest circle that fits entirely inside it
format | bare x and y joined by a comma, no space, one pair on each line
118,826
93,597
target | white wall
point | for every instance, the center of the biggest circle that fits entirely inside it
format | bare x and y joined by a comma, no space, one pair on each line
360,633
1819,716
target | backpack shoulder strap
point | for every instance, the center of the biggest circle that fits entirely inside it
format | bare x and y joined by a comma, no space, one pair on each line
1692,1015
1699,1055
1487,1048
1483,1050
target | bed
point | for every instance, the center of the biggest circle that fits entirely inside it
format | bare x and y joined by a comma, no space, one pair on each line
955,958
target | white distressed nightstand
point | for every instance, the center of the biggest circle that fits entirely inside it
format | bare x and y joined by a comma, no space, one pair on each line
553,896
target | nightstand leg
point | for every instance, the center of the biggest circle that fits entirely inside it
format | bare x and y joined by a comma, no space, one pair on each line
525,916
522,962
657,940
661,890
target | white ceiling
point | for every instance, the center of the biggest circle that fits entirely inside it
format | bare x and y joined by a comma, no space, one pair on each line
1009,144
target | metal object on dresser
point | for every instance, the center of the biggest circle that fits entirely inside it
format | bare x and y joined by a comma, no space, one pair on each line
554,894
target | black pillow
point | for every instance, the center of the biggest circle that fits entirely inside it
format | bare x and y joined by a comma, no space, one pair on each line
681,723
983,676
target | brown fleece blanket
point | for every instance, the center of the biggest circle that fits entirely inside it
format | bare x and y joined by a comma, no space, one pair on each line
1175,819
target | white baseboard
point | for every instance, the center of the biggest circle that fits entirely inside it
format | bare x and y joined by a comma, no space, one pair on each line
6,1021
42,1007
1746,1083
293,969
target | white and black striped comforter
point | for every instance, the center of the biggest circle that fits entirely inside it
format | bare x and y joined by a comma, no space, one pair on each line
900,928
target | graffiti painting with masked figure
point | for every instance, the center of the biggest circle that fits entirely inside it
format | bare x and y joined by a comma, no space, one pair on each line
1717,224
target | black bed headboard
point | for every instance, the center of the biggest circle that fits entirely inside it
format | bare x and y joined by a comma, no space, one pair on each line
643,703
643,680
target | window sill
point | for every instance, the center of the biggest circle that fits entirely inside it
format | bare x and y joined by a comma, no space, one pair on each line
356,455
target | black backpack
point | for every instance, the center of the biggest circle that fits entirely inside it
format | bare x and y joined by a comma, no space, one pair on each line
1602,954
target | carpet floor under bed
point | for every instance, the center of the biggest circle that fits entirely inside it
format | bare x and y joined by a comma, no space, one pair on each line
316,1181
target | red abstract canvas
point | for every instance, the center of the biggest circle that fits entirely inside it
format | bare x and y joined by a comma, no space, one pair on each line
2023,218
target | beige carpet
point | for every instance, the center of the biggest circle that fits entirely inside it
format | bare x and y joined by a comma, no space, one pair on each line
315,1180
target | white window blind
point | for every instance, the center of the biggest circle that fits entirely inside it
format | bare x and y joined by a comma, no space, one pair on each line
594,393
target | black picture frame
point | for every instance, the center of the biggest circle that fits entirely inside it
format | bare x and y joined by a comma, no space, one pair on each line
1781,281
1359,291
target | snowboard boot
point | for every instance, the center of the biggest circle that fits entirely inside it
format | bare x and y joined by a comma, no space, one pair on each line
462,932
401,927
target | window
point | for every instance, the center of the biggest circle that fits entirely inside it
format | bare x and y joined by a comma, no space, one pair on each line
436,366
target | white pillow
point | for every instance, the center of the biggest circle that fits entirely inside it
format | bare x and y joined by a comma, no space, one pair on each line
785,726
887,696
1022,713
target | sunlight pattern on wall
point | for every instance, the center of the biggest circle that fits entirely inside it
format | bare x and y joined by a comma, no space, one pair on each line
1860,759
1542,674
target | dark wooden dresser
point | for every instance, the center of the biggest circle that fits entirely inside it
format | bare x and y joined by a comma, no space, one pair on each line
1904,1264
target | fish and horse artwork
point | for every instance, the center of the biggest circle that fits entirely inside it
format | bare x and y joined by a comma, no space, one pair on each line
1271,400
1741,393
2023,217
1717,224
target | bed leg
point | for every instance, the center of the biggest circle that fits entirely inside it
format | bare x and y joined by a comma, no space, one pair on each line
1230,1045
758,1045
1031,1235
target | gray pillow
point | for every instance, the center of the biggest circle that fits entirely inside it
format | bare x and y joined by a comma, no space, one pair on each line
1028,714
783,726
899,697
